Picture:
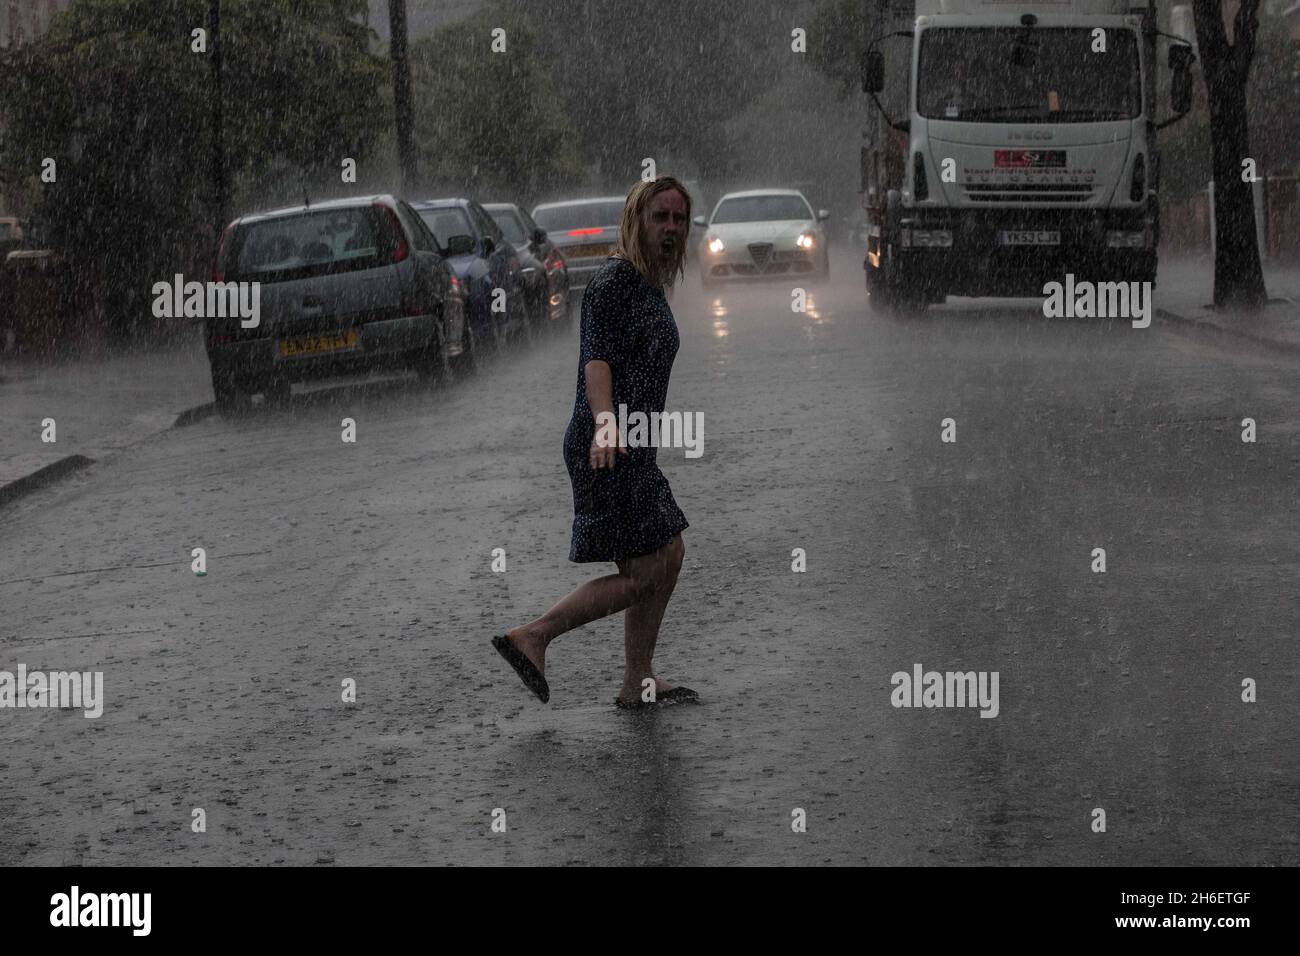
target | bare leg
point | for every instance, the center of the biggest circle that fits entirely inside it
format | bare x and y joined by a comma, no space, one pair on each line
641,624
636,581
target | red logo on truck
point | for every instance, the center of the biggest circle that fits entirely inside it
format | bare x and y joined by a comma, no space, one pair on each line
1029,158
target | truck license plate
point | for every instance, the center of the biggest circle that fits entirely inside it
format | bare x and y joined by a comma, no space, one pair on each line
1029,237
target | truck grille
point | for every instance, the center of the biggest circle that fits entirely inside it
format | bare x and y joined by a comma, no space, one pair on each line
1035,192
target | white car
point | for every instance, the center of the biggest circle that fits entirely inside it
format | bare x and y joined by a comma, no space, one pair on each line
762,234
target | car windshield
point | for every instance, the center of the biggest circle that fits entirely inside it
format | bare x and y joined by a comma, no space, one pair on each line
762,209
510,225
1027,75
323,241
445,223
587,215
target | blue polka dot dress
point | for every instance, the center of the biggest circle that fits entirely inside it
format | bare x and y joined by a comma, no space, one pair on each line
628,510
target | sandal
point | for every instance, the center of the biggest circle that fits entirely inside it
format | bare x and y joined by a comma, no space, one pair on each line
526,669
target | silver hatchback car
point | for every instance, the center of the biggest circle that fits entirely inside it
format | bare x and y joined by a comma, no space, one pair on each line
345,286
584,230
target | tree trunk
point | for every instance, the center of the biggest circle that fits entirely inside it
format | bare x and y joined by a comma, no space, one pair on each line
402,96
1238,275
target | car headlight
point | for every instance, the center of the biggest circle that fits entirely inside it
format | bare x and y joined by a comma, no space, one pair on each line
715,245
805,240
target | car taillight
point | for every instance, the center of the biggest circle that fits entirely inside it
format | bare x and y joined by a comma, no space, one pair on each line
218,273
584,232
400,251
215,340
1138,189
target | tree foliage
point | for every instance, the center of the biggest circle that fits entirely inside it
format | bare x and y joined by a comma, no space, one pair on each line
657,79
490,121
837,39
115,95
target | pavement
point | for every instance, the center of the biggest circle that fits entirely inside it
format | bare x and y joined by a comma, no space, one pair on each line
1185,294
371,562
99,405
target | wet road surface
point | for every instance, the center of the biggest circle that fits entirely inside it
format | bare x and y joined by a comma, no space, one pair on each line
372,562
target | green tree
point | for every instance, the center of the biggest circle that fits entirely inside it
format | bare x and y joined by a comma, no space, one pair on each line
490,121
837,38
659,79
115,95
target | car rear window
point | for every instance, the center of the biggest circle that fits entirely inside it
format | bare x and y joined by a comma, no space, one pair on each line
510,225
309,243
445,223
587,215
762,209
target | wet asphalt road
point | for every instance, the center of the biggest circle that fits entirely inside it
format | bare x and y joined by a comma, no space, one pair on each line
371,561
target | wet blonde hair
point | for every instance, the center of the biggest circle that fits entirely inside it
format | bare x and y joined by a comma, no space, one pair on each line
631,238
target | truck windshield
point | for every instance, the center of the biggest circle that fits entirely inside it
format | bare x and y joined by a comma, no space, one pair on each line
1027,75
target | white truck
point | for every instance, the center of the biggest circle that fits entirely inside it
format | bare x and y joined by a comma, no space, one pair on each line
1028,150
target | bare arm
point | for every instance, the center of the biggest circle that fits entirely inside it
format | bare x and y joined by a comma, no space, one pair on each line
600,398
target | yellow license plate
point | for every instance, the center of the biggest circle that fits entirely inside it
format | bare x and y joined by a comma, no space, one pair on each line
587,251
308,344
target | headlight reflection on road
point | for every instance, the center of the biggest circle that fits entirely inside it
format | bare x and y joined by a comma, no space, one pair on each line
722,352
815,318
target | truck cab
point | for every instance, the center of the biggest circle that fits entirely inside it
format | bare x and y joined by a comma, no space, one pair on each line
1028,151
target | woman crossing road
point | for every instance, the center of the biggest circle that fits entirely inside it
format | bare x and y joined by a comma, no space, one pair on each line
623,507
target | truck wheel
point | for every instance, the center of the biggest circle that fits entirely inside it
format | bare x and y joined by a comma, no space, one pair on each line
893,293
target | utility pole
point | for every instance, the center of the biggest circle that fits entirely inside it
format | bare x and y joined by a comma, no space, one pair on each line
218,134
402,95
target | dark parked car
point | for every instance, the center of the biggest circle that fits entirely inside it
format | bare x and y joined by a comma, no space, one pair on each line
345,285
484,262
546,276
585,230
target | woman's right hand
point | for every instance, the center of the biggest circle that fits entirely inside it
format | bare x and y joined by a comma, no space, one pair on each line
604,456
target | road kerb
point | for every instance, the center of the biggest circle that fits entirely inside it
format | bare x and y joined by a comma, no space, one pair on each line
1201,325
40,474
